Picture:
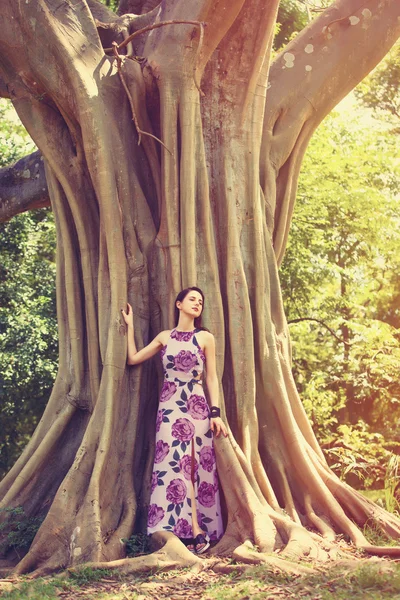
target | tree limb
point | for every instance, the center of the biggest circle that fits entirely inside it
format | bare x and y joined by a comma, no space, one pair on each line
307,80
321,323
23,186
150,28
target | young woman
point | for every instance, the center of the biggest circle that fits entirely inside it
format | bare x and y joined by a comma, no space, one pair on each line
184,486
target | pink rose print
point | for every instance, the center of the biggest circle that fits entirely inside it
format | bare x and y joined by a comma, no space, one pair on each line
185,465
159,419
202,355
207,458
206,494
197,407
183,430
183,529
200,519
181,336
155,515
154,480
162,450
176,491
216,481
168,390
185,361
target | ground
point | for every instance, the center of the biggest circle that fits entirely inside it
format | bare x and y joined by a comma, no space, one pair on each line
369,579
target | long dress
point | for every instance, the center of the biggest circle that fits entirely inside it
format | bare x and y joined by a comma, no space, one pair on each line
184,450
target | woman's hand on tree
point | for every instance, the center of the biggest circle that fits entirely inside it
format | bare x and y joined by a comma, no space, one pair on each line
128,316
218,426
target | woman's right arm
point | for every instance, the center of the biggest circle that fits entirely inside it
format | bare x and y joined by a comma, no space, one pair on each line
134,356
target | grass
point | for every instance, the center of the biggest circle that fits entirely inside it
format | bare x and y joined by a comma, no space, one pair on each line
49,588
40,589
374,495
371,580
85,575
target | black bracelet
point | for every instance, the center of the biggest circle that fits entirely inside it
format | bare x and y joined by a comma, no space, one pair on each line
215,412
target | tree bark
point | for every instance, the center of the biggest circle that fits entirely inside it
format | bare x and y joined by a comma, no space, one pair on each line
211,206
23,186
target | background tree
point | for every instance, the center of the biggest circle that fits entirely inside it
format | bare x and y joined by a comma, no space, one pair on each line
28,329
338,280
380,91
208,205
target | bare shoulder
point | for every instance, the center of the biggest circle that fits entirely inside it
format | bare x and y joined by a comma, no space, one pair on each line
206,338
163,336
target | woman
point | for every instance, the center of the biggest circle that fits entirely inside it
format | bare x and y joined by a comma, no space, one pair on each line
184,474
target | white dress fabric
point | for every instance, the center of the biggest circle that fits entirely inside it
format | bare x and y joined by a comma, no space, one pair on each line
184,445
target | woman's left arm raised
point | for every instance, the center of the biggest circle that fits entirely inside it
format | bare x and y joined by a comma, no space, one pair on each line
217,424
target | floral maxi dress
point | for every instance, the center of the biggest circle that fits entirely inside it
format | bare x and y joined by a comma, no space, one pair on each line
184,445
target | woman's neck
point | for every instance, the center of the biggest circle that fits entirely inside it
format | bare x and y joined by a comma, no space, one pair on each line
185,324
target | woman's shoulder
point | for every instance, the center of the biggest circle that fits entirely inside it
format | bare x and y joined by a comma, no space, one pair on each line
205,335
164,336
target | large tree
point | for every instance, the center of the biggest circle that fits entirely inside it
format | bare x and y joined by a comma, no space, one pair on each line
206,199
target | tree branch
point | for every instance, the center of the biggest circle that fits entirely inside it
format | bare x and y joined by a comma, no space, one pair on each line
23,187
323,324
307,80
150,28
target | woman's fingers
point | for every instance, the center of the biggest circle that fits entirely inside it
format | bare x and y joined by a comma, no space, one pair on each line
128,314
218,426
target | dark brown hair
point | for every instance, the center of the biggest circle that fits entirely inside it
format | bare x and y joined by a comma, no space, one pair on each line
180,297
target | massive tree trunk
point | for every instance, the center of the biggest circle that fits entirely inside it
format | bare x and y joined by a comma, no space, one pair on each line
210,206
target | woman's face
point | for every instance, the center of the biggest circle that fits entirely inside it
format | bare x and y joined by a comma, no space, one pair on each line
192,304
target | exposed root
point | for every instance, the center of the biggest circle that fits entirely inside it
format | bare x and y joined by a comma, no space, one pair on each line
390,551
246,553
322,526
170,554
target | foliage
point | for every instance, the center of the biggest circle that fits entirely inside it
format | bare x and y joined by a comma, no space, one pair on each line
392,480
17,530
111,4
137,544
28,329
361,457
83,575
292,18
380,91
14,139
341,270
